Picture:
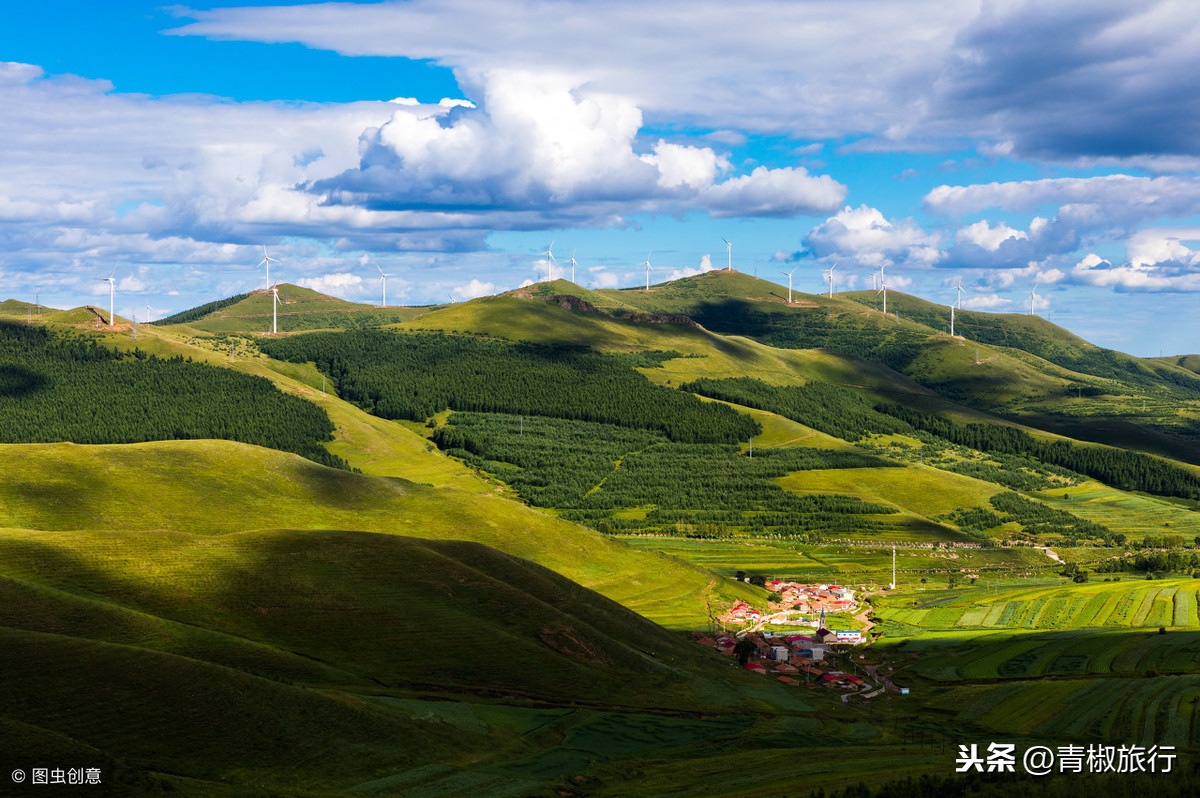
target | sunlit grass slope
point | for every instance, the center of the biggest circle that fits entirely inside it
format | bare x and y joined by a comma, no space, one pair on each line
1134,514
706,354
918,490
219,487
18,309
299,309
1039,337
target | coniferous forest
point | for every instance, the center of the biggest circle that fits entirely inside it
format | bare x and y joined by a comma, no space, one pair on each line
829,408
593,471
1117,467
57,386
200,311
413,377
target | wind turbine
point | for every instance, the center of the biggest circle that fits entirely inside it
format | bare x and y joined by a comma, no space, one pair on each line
829,273
383,279
573,265
883,288
267,260
111,288
728,254
147,313
957,303
549,253
789,276
646,263
1032,296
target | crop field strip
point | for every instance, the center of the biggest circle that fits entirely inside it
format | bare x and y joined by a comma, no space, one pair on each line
1132,603
831,561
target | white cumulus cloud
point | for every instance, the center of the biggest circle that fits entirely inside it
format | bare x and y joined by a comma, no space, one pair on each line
866,236
985,301
475,288
339,284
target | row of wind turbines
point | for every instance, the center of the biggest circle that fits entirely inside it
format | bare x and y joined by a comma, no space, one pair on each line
267,260
879,279
551,262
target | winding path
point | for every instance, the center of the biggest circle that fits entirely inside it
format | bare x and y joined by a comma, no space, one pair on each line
1049,553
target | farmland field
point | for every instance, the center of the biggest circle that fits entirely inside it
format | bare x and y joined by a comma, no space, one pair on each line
1131,513
1129,603
1112,661
848,563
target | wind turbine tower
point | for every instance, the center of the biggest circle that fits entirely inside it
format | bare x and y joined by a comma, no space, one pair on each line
830,273
957,303
1032,296
549,253
573,265
274,303
267,260
893,585
111,289
882,288
383,279
789,276
728,254
646,263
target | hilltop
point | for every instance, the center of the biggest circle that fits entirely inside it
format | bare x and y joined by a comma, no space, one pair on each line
298,309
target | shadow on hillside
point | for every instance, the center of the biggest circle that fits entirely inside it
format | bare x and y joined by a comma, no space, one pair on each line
18,381
432,616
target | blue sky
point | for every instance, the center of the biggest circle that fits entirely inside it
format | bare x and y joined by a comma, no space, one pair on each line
449,141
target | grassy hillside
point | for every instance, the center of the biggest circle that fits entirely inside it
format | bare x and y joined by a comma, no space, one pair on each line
298,309
288,660
1017,365
178,485
18,309
305,596
1041,338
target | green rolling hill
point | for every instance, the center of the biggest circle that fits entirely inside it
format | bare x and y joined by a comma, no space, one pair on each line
298,309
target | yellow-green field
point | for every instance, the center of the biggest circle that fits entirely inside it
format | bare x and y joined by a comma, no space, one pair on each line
1132,602
917,490
777,559
1136,515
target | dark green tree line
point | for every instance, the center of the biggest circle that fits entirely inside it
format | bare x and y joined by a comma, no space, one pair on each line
413,377
832,409
1119,468
60,387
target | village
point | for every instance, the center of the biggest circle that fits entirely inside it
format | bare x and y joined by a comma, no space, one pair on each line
797,605
795,657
